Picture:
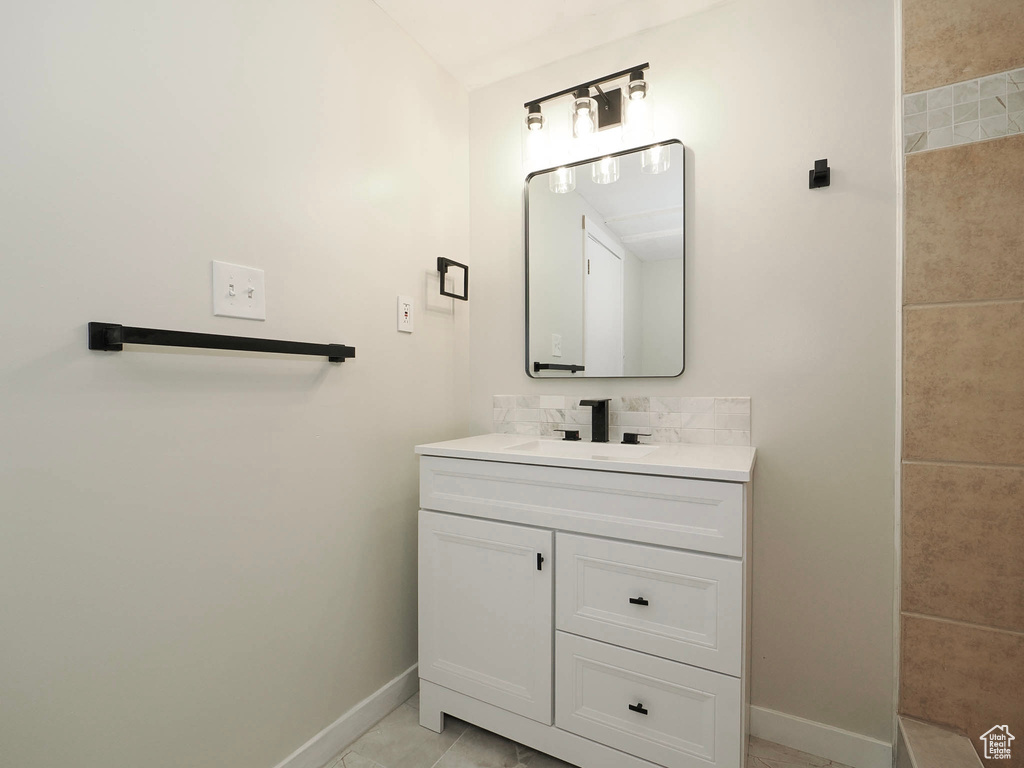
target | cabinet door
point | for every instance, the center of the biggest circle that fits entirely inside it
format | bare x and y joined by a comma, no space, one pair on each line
485,611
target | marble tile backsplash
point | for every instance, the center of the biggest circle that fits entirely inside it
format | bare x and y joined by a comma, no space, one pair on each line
700,420
975,110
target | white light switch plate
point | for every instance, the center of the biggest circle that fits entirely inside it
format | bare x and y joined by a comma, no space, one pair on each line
238,291
556,345
405,314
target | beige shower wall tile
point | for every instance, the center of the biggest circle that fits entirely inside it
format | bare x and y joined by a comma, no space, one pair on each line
963,383
964,223
963,534
963,676
947,41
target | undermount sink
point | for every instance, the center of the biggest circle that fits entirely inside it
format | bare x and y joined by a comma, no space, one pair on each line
582,450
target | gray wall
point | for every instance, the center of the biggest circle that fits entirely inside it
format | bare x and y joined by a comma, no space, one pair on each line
791,299
206,558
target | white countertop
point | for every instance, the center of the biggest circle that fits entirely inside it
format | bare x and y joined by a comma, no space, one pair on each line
733,463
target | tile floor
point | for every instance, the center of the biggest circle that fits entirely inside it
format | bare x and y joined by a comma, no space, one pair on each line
398,741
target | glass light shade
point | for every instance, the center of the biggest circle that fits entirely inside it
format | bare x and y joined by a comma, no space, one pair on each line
584,117
536,148
605,170
657,159
637,89
637,125
562,181
535,121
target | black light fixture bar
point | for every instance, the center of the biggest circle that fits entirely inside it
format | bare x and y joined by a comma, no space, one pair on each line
111,337
538,367
591,83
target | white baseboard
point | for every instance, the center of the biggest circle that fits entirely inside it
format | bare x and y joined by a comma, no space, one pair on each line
335,737
819,739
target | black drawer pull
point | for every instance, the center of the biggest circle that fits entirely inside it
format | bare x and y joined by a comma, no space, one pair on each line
638,601
638,707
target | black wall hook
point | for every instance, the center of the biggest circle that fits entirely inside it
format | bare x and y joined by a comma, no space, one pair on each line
820,176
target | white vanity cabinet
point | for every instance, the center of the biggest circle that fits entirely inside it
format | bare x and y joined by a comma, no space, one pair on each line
597,612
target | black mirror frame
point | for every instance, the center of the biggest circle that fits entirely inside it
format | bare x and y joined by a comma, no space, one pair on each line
530,367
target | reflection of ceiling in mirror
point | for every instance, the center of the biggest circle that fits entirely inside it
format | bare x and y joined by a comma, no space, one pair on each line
644,210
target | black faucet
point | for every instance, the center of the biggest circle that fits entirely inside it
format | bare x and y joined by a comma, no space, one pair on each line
599,428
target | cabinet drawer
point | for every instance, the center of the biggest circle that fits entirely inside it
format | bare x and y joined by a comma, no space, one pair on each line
703,515
669,713
680,605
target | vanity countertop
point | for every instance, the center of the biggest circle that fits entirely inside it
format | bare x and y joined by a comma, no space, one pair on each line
733,463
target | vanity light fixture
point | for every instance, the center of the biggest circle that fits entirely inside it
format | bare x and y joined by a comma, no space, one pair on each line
589,113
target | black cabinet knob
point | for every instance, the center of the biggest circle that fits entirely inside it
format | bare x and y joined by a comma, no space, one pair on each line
638,601
638,708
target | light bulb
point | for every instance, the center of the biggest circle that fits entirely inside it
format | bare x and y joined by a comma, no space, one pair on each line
582,114
637,126
536,149
584,124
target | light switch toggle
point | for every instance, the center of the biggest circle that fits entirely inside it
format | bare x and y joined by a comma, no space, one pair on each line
239,291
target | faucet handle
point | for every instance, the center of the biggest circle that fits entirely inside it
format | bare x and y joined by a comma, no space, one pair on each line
570,434
633,438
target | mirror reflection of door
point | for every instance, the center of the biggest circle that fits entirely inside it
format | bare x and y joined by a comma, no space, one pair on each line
602,306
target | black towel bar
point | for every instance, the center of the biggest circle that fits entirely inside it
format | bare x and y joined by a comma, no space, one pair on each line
111,337
537,367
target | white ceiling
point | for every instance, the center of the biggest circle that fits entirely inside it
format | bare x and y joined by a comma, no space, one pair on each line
483,41
644,211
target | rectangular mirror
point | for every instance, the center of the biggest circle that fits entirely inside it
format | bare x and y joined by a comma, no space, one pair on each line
604,266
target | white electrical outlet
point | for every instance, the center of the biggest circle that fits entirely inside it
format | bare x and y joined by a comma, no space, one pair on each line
238,291
556,345
405,314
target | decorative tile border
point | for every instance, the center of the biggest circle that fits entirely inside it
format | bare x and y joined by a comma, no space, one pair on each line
699,420
974,110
